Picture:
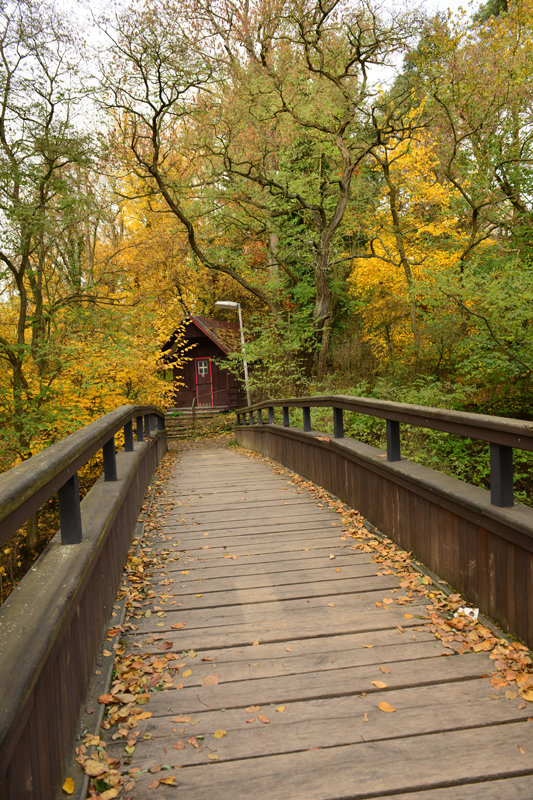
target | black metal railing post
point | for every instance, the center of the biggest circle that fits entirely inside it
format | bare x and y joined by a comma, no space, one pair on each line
306,413
271,415
239,420
70,511
338,423
250,418
501,475
394,449
140,436
259,416
110,460
286,419
128,436
147,425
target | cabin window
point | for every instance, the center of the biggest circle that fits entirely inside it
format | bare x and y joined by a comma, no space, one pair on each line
203,367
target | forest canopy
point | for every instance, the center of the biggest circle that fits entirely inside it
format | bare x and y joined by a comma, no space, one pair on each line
359,179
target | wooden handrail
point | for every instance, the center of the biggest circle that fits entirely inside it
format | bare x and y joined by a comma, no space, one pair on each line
503,433
26,487
499,430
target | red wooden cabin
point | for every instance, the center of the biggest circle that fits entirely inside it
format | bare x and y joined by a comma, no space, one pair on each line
205,381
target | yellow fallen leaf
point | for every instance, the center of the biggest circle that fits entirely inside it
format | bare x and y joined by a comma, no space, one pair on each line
109,794
213,756
198,595
408,616
379,684
264,720
186,673
526,694
219,734
280,708
68,786
386,707
170,781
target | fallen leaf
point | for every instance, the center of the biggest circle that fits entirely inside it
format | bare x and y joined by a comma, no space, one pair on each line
383,706
170,781
255,643
210,680
213,756
68,786
252,719
109,794
107,699
384,669
253,708
365,717
181,719
186,673
155,768
177,626
264,720
219,734
179,745
379,684
94,768
192,741
408,616
280,708
526,694
388,600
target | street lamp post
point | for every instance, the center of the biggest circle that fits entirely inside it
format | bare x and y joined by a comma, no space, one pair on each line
230,304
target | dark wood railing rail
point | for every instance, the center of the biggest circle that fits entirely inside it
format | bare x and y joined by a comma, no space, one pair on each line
480,542
502,433
24,489
52,624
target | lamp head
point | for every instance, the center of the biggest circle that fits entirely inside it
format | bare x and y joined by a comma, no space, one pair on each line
230,304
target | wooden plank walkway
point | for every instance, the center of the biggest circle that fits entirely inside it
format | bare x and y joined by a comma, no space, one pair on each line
282,640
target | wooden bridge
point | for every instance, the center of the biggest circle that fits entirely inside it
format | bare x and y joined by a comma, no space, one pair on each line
279,648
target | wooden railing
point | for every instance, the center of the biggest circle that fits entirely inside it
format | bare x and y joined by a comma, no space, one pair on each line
480,542
52,625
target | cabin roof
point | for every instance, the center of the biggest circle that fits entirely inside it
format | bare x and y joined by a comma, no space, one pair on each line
225,335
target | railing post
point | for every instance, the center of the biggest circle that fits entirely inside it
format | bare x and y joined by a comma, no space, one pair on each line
306,412
160,423
338,423
128,436
271,415
147,424
140,436
501,475
70,511
286,420
250,418
110,460
259,416
239,421
393,440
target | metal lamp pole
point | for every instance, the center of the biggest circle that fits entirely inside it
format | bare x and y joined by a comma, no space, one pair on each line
230,304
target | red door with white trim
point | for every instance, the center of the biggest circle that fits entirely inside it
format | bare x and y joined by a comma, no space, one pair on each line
204,381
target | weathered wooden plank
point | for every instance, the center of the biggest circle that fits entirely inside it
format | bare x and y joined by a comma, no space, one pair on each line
338,683
326,723
362,770
235,596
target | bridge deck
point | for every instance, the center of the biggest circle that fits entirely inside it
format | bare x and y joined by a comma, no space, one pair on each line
281,613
